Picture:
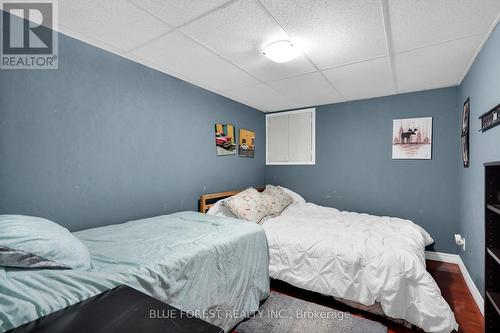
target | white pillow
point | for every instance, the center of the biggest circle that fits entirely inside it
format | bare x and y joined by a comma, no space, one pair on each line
220,209
295,196
248,205
276,198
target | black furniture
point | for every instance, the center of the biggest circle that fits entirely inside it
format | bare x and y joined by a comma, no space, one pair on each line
122,309
492,253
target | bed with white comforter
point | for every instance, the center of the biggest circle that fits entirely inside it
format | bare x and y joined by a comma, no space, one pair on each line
357,257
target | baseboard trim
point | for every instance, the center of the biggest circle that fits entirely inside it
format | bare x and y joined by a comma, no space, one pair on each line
443,257
472,286
456,259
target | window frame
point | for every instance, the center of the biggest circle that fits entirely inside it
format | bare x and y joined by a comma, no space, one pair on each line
312,111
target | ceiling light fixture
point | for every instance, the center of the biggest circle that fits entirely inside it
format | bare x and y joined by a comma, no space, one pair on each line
281,51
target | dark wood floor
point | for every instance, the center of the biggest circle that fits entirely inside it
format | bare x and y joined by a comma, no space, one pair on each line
457,294
447,276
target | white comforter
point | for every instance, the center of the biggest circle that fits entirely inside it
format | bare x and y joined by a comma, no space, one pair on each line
361,258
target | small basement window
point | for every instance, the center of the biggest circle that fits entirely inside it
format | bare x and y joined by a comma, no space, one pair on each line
290,137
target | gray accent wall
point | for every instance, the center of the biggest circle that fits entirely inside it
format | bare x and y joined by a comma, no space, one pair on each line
355,171
103,140
482,85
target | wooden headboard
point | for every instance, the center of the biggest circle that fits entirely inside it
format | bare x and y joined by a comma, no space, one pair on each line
208,200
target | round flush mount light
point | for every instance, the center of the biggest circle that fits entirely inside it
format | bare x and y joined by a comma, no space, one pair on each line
281,51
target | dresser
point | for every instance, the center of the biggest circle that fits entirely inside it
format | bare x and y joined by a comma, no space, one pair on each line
492,249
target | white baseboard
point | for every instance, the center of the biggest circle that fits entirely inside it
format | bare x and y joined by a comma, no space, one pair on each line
472,286
456,259
443,257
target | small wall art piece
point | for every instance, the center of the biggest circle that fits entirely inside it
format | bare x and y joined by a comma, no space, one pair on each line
490,119
247,143
225,139
412,138
465,133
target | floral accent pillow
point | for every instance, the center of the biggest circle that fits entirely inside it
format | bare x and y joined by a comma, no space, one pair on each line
248,205
276,199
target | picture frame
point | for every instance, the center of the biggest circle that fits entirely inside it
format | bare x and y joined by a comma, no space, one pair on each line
246,147
490,119
412,138
466,117
465,150
464,133
225,139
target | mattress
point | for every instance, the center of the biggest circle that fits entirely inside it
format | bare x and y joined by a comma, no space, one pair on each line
359,258
213,267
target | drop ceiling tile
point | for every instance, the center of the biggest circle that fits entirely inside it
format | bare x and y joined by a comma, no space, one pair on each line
90,40
333,33
420,23
261,97
177,12
366,79
307,90
117,23
435,66
159,68
180,54
239,32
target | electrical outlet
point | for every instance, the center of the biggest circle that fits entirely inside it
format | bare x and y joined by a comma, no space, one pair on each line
459,240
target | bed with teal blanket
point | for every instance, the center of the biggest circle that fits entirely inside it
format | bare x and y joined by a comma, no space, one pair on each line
214,267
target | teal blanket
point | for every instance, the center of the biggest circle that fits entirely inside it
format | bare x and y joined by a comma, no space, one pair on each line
214,267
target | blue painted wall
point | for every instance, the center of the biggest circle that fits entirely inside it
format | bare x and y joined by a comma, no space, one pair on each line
354,170
103,140
482,85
